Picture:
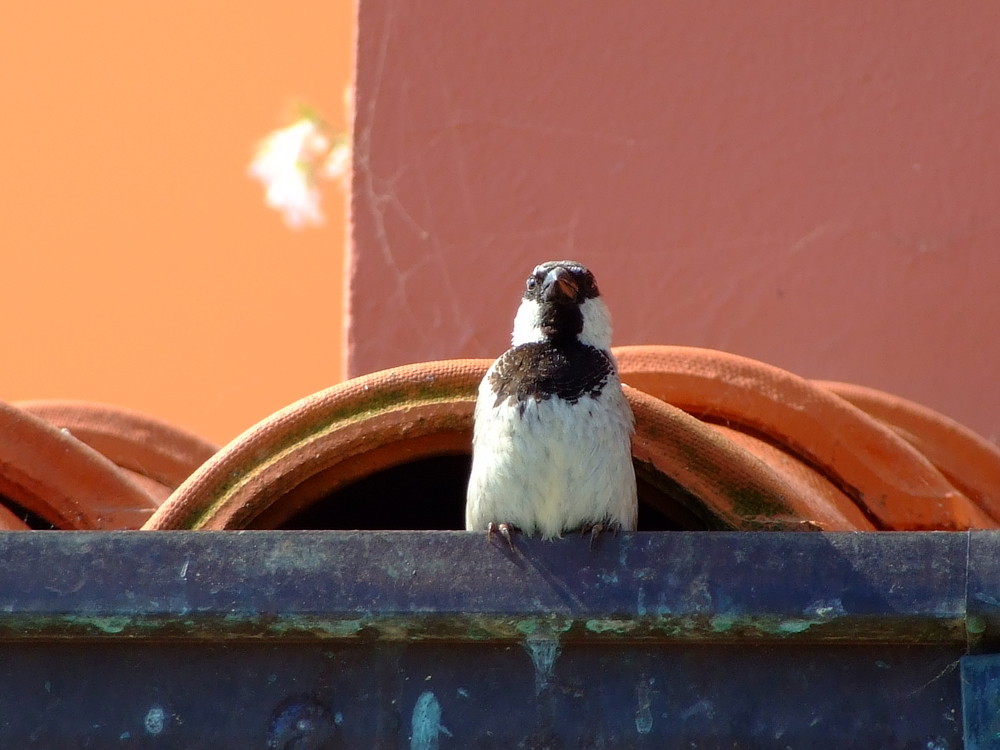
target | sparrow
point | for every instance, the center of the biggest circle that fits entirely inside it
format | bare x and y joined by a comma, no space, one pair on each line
551,447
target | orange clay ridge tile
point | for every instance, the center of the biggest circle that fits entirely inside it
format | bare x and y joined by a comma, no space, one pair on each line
722,442
75,465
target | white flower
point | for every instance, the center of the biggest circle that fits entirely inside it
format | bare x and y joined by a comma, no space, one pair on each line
337,162
286,163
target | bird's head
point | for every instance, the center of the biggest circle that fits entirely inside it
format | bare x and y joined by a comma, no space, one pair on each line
561,303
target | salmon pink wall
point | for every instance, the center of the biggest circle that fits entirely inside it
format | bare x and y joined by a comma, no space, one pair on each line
140,266
810,184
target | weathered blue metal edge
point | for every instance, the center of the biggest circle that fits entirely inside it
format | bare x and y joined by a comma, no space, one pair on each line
981,701
894,587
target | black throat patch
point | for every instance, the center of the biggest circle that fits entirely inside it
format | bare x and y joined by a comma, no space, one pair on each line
561,324
541,370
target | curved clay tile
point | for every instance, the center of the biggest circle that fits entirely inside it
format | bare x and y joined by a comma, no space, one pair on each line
368,424
970,462
803,478
158,455
327,440
892,481
734,485
62,481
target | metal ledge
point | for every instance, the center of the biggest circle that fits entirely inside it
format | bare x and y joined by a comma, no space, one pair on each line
858,588
445,639
458,586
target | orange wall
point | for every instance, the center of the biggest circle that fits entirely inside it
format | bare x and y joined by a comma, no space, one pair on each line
140,265
810,184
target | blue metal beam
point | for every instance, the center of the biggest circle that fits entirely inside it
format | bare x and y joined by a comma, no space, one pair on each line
445,639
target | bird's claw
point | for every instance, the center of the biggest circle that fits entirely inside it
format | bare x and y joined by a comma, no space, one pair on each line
598,528
504,530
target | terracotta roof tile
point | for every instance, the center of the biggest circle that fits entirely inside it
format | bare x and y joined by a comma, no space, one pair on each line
721,442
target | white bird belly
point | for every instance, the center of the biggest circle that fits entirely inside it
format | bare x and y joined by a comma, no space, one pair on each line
555,467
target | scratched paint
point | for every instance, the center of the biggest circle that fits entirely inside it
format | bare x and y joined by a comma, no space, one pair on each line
543,650
644,697
826,609
155,720
425,723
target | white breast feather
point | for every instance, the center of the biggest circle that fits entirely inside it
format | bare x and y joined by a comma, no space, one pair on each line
555,468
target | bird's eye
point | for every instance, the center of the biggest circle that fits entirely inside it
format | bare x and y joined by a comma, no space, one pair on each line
531,283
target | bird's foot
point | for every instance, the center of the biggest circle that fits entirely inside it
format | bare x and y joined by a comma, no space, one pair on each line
503,529
598,528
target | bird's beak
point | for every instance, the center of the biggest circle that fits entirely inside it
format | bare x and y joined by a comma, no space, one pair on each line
559,286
